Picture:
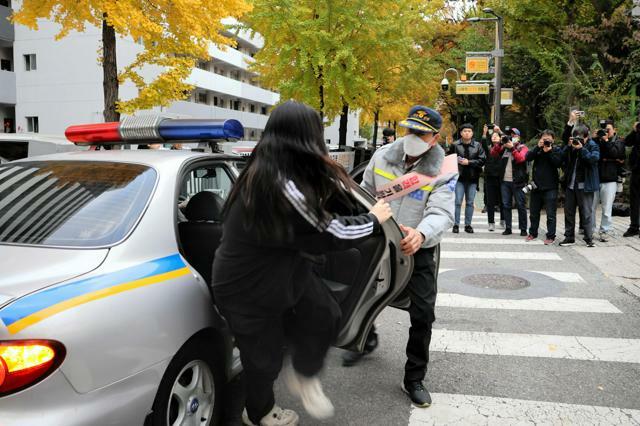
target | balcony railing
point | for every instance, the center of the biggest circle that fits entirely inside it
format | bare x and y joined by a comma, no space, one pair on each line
7,87
228,86
193,110
6,27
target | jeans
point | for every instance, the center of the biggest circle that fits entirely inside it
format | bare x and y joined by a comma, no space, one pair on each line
466,190
584,202
492,185
509,190
606,195
634,200
423,289
550,200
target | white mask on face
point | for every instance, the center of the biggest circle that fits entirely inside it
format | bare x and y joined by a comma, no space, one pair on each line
414,146
515,139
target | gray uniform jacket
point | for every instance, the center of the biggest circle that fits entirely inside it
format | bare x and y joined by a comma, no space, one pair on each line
430,211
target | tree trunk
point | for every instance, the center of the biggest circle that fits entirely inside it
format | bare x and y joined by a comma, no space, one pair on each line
342,132
110,72
376,116
321,96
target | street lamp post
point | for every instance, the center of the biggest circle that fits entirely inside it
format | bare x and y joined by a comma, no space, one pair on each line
498,54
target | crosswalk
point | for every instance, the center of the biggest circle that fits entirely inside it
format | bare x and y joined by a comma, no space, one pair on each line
510,344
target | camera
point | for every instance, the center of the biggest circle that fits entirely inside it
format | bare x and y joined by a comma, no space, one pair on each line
490,127
507,129
547,142
529,187
577,140
603,124
444,84
505,139
601,133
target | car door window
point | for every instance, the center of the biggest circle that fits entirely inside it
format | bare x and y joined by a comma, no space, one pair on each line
212,178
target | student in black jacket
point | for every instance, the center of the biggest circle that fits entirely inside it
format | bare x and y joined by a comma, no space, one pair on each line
547,159
633,140
280,219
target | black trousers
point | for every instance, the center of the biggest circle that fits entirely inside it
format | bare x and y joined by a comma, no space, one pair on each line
584,202
422,290
634,200
550,200
511,190
307,329
494,197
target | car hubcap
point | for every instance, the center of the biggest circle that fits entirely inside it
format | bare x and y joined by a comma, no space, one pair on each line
192,396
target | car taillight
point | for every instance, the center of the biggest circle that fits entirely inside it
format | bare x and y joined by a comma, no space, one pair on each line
26,362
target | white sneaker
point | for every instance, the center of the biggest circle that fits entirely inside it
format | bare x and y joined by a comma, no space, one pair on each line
492,227
309,390
276,417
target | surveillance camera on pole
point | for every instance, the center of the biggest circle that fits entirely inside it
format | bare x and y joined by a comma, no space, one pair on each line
444,84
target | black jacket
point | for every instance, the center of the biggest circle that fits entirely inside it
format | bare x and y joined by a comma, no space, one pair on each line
633,140
476,156
493,164
610,153
268,275
545,167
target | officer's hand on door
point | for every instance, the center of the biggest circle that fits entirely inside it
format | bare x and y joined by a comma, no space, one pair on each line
412,241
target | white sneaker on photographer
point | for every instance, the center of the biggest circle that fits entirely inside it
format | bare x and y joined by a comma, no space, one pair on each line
276,417
309,390
492,227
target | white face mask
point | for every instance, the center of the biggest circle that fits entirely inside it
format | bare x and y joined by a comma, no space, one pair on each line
515,139
414,146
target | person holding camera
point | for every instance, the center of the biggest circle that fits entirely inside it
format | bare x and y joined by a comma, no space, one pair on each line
612,157
633,140
544,186
471,158
514,177
492,174
580,162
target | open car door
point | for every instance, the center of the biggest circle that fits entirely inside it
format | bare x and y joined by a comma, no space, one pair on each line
367,278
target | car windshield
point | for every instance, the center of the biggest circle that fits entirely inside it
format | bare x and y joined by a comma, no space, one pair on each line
71,203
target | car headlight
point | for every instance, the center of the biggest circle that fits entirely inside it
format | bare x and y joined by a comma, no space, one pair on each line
24,363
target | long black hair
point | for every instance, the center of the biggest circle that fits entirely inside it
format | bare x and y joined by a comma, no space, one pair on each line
292,147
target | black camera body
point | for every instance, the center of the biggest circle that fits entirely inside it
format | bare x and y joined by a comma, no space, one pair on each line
601,133
603,124
577,140
504,139
547,143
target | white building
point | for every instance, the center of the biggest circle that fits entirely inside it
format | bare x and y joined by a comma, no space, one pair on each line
47,85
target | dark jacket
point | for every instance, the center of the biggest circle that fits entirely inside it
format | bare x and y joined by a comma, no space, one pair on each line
612,156
268,275
518,162
493,164
633,140
476,156
587,165
545,167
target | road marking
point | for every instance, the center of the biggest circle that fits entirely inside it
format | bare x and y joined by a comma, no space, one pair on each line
451,409
555,304
537,345
565,277
499,255
498,241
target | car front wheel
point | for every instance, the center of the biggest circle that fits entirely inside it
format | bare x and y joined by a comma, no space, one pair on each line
190,390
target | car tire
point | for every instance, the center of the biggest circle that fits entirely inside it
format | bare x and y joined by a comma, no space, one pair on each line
193,380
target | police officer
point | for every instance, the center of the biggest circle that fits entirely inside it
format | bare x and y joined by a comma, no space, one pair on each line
424,215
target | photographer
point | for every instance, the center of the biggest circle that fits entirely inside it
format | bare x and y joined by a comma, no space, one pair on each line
633,140
544,187
580,163
612,156
471,158
492,175
388,136
514,177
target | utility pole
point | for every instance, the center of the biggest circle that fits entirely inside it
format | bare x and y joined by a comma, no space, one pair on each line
499,54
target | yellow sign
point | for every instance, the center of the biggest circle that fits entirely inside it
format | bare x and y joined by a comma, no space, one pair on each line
472,89
477,65
506,97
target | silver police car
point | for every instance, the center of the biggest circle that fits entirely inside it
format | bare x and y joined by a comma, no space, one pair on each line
106,315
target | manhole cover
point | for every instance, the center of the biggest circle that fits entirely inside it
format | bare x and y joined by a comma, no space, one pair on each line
496,281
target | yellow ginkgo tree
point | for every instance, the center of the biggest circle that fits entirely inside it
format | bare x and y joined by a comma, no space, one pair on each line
174,33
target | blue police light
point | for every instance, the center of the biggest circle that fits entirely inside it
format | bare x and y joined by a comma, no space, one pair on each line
190,129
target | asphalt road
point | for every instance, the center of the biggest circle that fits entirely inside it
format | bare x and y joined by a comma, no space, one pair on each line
525,334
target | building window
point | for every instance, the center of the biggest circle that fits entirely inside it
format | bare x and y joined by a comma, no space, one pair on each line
30,62
32,124
203,65
202,98
215,101
263,110
5,3
5,64
236,105
252,108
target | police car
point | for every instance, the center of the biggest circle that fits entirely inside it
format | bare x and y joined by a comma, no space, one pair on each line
106,315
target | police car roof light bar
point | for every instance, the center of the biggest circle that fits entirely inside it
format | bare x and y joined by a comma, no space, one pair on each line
145,129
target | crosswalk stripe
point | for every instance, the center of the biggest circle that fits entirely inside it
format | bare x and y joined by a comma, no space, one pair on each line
565,277
537,345
499,255
456,409
555,304
485,241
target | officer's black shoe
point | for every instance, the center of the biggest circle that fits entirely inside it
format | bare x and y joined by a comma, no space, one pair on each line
350,358
418,394
455,229
631,232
